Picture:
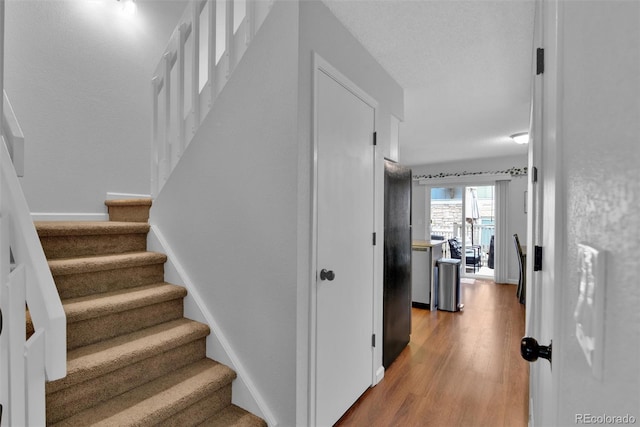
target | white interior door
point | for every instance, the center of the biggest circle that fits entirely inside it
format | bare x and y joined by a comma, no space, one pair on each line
545,219
345,215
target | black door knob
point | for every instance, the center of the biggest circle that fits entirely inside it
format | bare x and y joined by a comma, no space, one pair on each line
531,350
327,275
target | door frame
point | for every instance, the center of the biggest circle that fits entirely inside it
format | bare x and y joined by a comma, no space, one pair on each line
546,222
502,254
320,65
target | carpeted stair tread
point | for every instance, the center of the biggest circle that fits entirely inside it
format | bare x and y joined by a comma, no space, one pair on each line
71,239
68,401
154,402
132,358
233,416
80,228
97,359
98,305
60,267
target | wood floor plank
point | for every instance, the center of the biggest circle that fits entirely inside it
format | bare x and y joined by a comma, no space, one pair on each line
460,369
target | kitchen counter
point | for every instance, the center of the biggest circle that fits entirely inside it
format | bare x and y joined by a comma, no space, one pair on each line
418,245
424,256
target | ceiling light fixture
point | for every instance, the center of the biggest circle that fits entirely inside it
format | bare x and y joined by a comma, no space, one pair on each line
128,7
520,138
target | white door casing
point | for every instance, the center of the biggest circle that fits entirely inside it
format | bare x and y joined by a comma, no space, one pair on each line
341,309
545,222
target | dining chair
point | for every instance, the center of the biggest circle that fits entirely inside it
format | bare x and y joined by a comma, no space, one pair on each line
521,292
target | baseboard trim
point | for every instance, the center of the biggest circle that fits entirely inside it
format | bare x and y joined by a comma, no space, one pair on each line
67,216
245,393
508,282
379,374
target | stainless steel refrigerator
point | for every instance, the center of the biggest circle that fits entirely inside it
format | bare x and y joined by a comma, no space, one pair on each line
396,311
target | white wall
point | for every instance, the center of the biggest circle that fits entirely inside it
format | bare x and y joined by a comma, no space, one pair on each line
322,33
517,222
600,118
237,209
78,75
229,210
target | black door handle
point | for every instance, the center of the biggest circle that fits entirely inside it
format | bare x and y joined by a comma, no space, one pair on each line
531,350
327,275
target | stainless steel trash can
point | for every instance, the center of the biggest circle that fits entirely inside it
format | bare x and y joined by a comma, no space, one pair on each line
448,271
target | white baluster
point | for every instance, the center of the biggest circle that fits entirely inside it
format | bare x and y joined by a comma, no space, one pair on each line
171,148
15,318
4,306
195,69
165,148
35,379
213,81
229,39
250,20
183,34
155,91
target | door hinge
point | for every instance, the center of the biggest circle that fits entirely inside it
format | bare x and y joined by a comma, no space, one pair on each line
534,174
374,239
539,61
375,138
373,340
537,258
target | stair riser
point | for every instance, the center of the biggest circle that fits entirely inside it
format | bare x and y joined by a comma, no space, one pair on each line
82,284
90,331
56,247
129,213
71,400
201,410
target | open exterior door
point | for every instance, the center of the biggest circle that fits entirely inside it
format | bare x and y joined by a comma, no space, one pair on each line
544,223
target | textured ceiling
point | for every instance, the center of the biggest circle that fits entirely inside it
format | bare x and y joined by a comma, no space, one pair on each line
465,67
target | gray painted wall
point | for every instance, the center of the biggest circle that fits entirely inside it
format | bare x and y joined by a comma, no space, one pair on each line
600,116
237,209
78,75
322,33
229,210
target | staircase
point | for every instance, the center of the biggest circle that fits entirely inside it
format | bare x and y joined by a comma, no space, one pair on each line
132,358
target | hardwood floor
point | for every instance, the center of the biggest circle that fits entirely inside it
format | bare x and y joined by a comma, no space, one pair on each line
460,369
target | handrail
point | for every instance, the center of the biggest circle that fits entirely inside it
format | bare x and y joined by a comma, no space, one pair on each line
215,32
25,280
13,135
25,277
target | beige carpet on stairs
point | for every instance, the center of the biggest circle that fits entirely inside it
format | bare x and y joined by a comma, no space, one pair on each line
132,358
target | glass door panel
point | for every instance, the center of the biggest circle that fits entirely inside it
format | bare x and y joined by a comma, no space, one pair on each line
466,214
446,212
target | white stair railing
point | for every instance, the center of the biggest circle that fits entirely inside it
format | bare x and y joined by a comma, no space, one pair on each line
13,136
25,281
204,49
